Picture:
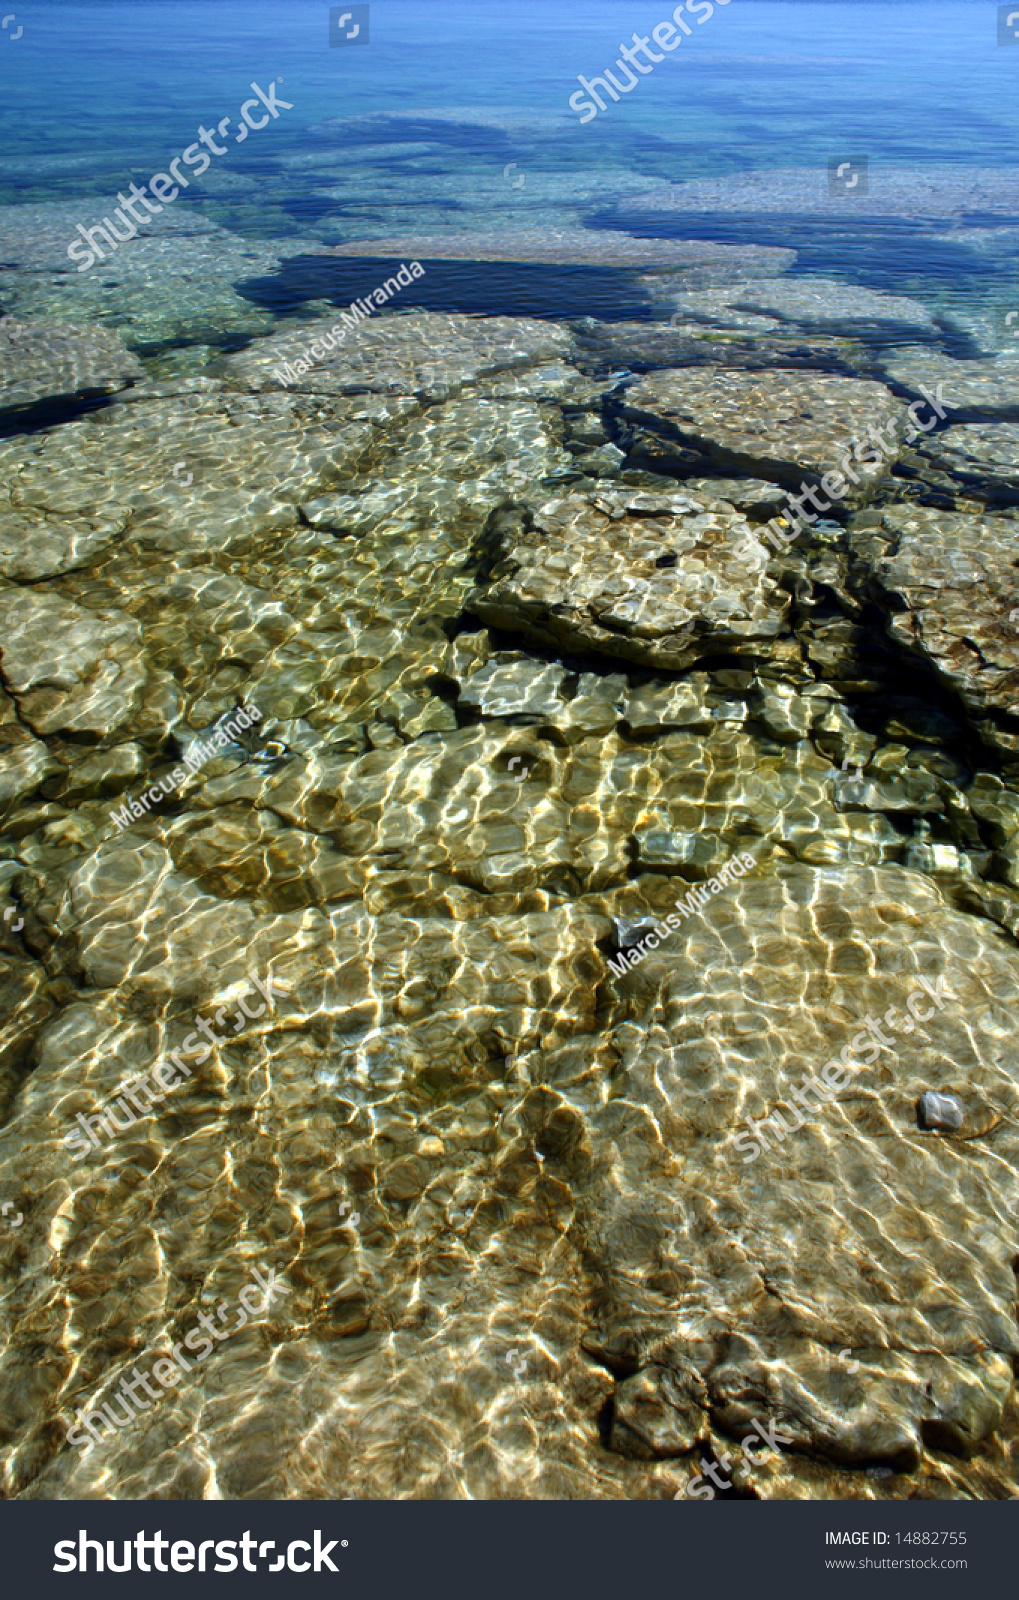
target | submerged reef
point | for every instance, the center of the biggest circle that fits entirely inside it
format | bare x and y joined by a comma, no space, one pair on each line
518,691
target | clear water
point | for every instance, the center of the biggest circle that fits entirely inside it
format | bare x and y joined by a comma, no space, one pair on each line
95,96
496,1187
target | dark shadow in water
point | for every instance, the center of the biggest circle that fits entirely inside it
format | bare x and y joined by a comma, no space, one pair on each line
52,413
485,288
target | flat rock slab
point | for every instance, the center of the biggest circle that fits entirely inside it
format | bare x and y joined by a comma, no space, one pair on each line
764,306
69,667
646,346
788,426
573,246
982,455
757,1270
646,577
180,468
430,355
950,584
923,191
972,390
458,462
56,361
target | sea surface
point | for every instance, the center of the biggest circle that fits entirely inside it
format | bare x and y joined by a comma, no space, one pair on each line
451,436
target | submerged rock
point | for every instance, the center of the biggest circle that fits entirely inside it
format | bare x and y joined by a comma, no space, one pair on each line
973,389
934,190
526,691
923,855
514,689
650,578
644,346
43,544
654,708
428,355
68,667
580,246
984,456
950,587
786,426
57,361
763,305
941,1112
696,1061
655,1414
429,844
786,715
177,280
24,764
196,467
630,931
456,463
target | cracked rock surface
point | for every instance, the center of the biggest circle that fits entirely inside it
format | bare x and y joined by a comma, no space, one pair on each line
649,578
787,426
951,587
974,389
520,695
982,456
770,305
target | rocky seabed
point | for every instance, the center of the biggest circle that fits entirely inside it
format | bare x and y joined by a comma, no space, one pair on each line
518,696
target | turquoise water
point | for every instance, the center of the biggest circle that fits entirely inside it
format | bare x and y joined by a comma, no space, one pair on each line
98,95
761,83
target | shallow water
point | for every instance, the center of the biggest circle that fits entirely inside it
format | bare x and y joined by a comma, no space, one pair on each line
520,695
